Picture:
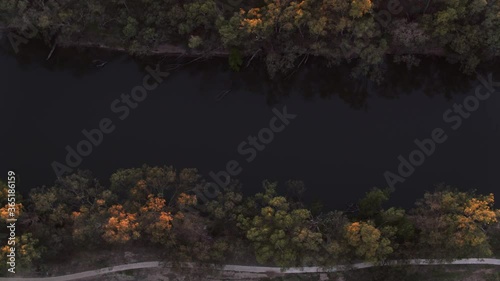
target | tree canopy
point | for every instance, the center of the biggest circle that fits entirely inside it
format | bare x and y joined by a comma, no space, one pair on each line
159,207
282,34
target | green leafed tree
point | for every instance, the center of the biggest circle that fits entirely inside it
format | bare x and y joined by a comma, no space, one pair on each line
279,234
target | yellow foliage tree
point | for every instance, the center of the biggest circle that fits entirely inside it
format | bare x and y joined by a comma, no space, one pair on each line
185,200
367,241
360,8
455,223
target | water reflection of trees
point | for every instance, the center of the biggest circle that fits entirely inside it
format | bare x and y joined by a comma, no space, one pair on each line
433,77
78,61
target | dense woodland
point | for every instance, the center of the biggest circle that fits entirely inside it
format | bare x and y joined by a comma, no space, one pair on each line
281,33
165,208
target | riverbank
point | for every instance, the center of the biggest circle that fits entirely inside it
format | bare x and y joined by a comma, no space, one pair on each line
172,210
283,35
168,49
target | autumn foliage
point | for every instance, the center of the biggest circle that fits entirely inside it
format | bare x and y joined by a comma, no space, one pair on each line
121,226
157,207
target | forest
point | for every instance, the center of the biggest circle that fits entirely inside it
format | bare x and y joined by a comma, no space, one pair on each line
159,207
283,34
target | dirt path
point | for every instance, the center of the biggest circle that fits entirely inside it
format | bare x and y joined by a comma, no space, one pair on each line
252,269
90,273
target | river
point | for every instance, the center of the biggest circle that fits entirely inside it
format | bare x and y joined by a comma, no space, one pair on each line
346,134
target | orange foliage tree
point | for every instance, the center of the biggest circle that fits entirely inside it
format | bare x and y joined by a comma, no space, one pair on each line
121,227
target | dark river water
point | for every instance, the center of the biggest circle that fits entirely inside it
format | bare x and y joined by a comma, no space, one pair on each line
346,135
